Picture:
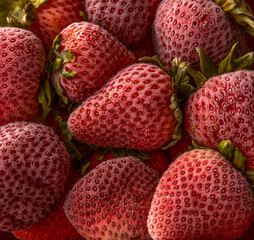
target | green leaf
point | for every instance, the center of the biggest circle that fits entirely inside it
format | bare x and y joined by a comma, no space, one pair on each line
239,160
58,88
66,74
56,45
155,61
38,3
244,62
44,97
249,174
198,77
67,56
227,149
241,12
227,64
84,168
208,68
195,145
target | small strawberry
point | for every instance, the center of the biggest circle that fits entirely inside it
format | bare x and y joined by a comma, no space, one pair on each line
34,167
46,18
180,26
56,226
127,20
112,201
223,109
22,62
86,57
133,110
201,196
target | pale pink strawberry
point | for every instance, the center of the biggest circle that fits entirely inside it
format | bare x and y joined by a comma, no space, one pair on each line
56,226
127,20
22,62
112,201
131,111
97,56
223,109
201,196
180,26
34,167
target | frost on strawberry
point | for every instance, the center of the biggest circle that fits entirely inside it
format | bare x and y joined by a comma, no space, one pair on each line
56,226
201,196
180,26
22,62
126,20
112,201
223,109
133,110
34,167
46,18
86,57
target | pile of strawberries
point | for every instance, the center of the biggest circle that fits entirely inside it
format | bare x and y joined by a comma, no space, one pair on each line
126,119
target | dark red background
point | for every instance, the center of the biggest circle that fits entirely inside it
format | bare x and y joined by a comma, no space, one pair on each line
249,234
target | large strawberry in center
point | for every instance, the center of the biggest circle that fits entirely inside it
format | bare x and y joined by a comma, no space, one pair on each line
133,110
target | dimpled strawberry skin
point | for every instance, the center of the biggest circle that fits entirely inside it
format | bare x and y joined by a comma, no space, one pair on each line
131,111
223,109
180,26
34,167
98,56
22,61
112,201
201,196
127,20
56,226
53,16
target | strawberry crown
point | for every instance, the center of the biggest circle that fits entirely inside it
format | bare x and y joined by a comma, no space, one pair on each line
190,80
18,13
234,155
240,11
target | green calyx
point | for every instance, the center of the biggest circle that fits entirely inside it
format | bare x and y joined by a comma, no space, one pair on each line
236,157
57,59
45,91
240,11
18,13
229,64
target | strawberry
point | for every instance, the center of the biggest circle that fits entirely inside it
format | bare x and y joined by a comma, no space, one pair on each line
56,226
53,16
34,167
133,110
86,57
201,196
112,201
180,26
155,159
127,20
22,62
46,18
223,109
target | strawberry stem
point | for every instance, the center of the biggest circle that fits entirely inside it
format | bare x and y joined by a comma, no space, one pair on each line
240,11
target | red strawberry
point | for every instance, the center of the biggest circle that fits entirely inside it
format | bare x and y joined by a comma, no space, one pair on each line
156,159
131,111
89,56
46,18
22,62
181,26
56,226
53,16
127,20
112,201
201,196
223,109
34,166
